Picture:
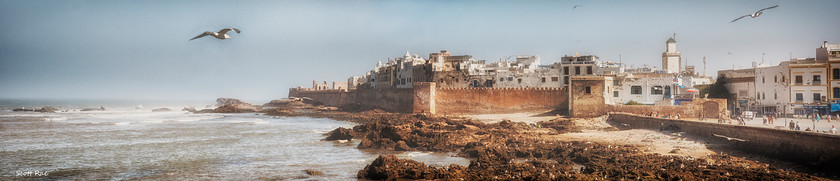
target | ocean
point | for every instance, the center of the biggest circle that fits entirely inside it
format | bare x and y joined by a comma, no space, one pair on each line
129,142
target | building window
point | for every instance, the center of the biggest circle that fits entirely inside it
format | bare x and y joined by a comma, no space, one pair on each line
798,79
762,79
816,97
588,90
835,73
817,80
510,78
588,70
577,70
835,92
758,95
519,80
636,90
763,96
775,95
783,78
615,93
501,79
555,79
775,79
565,70
799,97
615,82
656,90
542,79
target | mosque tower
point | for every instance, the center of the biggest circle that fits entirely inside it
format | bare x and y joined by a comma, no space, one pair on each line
671,60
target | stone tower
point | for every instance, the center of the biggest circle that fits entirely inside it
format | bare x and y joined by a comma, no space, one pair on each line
671,60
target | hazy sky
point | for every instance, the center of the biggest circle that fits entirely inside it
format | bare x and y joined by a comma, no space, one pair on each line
139,49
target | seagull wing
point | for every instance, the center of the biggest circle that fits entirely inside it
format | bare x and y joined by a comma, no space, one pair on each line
771,7
224,31
739,18
202,35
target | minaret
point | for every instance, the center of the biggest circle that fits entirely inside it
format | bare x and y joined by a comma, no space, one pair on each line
671,60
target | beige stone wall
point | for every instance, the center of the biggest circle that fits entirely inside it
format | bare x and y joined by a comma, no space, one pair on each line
424,97
498,100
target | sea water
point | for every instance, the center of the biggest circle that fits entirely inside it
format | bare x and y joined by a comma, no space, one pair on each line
125,142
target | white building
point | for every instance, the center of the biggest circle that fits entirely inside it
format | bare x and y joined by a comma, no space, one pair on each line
772,88
646,88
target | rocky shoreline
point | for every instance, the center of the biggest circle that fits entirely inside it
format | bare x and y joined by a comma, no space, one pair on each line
517,151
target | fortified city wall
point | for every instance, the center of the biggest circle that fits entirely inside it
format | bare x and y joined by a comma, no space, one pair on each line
444,100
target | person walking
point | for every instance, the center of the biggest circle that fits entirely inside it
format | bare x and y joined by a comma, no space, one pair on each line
792,125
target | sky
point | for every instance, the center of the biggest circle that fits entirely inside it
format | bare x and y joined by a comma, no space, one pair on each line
122,49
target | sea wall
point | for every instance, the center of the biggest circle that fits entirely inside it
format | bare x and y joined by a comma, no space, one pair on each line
391,99
498,100
815,149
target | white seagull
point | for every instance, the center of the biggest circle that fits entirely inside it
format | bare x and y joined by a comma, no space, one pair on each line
756,14
222,34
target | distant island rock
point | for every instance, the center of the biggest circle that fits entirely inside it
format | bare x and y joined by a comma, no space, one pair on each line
227,105
101,108
161,110
45,109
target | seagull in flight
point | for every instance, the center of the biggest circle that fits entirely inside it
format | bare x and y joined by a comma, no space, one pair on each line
222,34
576,6
756,14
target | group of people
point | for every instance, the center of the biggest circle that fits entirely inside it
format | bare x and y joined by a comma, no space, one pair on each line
657,115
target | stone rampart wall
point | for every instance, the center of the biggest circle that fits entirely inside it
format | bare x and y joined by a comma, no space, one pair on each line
816,149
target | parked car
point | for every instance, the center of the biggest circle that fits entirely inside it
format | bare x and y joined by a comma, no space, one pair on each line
748,114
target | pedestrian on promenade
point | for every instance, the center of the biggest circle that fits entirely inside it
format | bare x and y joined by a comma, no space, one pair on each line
828,117
833,130
797,126
817,117
792,125
771,118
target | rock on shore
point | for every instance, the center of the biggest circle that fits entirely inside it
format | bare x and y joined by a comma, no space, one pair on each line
161,110
226,101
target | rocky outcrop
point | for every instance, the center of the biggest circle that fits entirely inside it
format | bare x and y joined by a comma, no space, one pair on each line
340,134
393,168
101,108
225,101
189,109
236,108
162,110
47,109
23,110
